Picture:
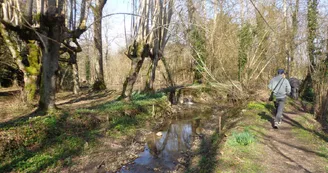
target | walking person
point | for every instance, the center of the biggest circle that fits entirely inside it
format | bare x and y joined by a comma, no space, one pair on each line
295,84
280,87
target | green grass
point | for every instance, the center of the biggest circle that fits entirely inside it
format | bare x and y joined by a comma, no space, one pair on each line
138,101
241,138
43,141
241,153
126,117
125,125
308,133
47,143
256,105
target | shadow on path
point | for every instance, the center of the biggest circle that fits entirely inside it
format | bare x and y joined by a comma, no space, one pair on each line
16,121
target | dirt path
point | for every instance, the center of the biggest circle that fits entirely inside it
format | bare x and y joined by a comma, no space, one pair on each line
286,152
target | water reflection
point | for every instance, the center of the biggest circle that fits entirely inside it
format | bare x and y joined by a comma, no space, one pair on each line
161,152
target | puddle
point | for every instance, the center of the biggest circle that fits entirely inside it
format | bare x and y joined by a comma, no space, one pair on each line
162,151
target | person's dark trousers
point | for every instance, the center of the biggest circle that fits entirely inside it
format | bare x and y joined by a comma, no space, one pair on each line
295,93
279,104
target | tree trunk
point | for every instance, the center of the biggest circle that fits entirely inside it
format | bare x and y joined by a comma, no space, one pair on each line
75,74
28,12
50,56
61,82
153,73
167,69
76,87
293,39
324,109
98,46
136,64
98,11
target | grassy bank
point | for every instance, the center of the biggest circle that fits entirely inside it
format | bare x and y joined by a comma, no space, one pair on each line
241,149
49,142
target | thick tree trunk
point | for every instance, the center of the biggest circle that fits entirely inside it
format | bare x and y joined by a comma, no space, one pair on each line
136,64
50,56
137,54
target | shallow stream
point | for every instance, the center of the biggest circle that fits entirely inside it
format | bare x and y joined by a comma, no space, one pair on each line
164,148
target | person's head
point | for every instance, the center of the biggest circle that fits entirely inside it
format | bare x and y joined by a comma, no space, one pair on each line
281,72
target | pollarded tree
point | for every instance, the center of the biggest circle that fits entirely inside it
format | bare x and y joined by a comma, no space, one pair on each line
150,35
43,21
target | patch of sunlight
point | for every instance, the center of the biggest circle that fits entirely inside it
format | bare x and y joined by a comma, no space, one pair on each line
302,134
256,105
240,158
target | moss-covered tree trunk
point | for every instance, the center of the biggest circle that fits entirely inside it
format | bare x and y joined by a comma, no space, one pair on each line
33,70
137,54
136,64
14,52
49,28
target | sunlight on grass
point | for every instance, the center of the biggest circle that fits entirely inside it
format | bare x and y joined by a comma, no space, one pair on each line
138,101
256,105
42,142
240,153
125,117
125,125
310,134
242,138
53,154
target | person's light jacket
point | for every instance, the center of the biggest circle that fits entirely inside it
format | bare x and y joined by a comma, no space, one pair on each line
283,87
